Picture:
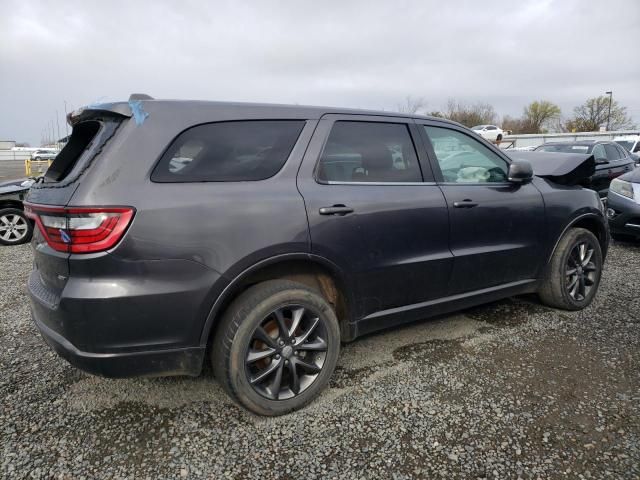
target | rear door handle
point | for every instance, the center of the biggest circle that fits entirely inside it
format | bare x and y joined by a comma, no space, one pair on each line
465,204
335,210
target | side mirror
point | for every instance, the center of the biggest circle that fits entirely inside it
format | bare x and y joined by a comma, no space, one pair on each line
520,171
601,161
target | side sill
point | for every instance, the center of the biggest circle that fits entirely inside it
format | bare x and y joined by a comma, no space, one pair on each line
418,311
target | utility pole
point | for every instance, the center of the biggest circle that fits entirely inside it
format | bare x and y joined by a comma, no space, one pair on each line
58,125
609,114
66,124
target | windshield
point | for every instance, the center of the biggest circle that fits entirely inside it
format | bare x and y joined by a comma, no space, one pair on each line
565,147
626,144
478,127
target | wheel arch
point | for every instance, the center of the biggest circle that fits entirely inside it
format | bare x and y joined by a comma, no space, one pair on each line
589,221
6,203
312,270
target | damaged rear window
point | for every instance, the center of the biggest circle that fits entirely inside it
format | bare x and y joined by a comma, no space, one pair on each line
86,141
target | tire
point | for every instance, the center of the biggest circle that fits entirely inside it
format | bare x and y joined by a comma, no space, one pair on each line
15,227
37,159
240,357
569,271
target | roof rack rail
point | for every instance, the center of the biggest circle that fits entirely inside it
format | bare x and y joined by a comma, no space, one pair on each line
140,96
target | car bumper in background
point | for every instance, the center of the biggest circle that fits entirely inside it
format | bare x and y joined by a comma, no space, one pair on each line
623,215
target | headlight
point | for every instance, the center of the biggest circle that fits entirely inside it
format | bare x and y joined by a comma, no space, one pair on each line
621,188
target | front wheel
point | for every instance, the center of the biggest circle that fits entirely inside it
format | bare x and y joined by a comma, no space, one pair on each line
15,227
276,347
572,276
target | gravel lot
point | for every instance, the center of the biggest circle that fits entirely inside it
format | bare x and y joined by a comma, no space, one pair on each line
508,390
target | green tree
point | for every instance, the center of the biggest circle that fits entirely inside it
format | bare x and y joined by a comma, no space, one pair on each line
594,113
537,115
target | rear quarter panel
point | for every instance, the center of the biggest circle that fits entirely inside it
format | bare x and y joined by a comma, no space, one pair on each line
223,226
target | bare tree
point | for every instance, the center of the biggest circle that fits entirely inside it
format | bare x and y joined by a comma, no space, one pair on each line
593,113
412,105
470,115
513,125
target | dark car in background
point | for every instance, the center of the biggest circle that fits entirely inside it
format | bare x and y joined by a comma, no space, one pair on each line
15,227
623,206
259,237
611,160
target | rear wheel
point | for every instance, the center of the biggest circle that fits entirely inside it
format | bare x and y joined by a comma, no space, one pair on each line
573,274
276,347
15,227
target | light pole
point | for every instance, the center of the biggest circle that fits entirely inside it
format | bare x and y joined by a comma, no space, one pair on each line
610,101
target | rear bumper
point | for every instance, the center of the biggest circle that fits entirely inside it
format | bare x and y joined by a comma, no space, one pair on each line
182,361
148,322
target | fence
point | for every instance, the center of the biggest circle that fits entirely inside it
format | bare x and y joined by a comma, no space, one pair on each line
535,139
9,155
40,166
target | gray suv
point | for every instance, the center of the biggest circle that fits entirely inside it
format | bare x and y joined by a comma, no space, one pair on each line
260,237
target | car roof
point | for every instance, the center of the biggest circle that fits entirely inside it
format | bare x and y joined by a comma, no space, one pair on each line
272,110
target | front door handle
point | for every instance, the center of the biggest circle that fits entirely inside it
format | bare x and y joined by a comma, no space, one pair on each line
335,210
465,204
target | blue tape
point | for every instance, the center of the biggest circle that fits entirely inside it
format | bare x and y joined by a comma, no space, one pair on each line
139,115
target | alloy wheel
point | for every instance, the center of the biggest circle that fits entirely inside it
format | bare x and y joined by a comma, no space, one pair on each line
581,271
13,228
286,352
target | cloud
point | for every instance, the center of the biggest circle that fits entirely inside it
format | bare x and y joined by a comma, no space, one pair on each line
369,54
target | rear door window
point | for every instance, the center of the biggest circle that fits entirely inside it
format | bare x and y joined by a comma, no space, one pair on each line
229,151
369,152
612,152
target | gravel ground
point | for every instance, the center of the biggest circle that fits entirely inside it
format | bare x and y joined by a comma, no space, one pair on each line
512,389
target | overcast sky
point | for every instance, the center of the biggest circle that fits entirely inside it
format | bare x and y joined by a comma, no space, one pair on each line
368,54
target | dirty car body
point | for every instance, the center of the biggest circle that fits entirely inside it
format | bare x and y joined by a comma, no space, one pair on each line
387,242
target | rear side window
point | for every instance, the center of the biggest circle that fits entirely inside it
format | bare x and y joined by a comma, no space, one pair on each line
229,151
612,152
369,152
621,151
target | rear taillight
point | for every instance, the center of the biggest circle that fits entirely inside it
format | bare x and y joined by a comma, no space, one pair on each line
80,229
